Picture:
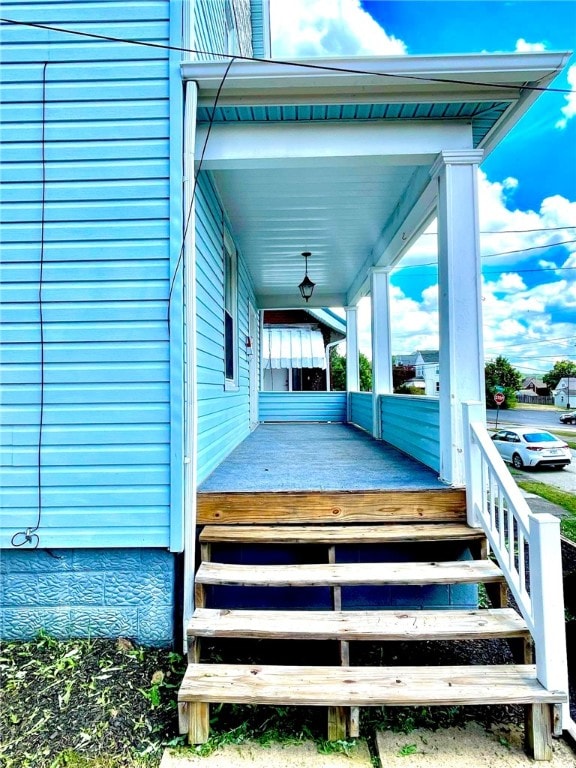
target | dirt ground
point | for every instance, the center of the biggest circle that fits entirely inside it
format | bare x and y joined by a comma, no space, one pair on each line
470,747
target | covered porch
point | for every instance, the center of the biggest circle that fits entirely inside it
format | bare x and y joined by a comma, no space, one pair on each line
349,162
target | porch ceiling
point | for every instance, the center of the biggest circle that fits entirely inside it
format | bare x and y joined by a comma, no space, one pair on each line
337,213
313,156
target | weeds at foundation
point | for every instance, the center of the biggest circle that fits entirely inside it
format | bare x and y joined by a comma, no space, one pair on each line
86,703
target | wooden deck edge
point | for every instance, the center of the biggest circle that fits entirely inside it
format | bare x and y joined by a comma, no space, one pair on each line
440,505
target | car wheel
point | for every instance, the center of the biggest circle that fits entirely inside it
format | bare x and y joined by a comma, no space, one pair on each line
517,462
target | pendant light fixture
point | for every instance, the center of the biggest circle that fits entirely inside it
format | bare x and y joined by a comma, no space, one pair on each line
306,286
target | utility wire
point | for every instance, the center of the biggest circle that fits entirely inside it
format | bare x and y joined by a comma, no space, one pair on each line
30,535
280,62
195,184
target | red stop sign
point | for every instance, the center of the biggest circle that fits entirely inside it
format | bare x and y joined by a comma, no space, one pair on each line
499,398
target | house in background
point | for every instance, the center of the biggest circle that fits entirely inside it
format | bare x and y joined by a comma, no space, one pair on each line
426,369
537,386
565,393
296,348
154,203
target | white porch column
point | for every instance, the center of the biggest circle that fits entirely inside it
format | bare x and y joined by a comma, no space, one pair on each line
352,365
381,342
459,302
352,361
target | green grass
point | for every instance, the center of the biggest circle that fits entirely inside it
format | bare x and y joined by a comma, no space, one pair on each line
563,499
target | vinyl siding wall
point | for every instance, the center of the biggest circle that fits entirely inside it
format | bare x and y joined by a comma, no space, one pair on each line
361,409
210,35
109,210
223,415
302,406
412,424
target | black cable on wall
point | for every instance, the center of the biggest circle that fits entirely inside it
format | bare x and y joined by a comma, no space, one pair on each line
30,535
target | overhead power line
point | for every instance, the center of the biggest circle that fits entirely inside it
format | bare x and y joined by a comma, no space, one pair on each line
281,62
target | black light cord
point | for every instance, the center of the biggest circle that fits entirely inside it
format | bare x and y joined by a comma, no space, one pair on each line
301,64
195,184
29,535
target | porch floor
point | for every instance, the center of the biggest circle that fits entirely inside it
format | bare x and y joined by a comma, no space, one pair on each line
317,457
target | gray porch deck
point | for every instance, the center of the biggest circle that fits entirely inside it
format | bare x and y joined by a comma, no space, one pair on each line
317,457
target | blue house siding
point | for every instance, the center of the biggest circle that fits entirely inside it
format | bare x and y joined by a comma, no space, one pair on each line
302,406
361,409
412,424
110,387
211,35
223,415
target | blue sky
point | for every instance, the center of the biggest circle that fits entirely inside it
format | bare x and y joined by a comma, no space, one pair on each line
527,183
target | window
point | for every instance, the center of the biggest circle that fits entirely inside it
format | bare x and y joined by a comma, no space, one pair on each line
230,312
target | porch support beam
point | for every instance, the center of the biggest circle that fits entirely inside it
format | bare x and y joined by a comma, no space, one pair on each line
352,361
381,343
352,364
278,145
459,302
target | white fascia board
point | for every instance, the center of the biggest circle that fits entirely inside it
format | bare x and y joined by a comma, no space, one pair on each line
247,145
355,80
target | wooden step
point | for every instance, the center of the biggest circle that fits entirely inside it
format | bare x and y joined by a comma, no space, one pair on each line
358,625
339,534
349,574
364,686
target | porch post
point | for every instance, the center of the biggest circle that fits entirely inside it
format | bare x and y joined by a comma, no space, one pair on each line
381,343
352,364
459,302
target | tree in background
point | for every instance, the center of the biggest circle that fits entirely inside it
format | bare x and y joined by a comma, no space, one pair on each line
400,375
338,372
501,373
562,369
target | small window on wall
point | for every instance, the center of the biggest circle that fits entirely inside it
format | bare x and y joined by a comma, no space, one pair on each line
230,312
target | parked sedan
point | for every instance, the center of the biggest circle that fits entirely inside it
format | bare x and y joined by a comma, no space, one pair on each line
530,447
568,418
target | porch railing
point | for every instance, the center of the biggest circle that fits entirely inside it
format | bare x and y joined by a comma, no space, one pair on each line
526,546
360,409
302,406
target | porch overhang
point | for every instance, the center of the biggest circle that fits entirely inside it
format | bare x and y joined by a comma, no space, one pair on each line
334,156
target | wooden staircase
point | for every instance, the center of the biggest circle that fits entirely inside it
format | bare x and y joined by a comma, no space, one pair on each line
344,688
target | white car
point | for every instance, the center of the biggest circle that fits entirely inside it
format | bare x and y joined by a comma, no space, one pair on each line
531,447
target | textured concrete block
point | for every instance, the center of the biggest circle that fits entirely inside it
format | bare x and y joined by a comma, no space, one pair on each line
89,593
21,589
53,589
104,622
107,560
87,589
26,623
35,560
155,625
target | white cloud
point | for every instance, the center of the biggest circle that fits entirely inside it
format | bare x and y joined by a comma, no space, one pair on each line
524,47
569,109
309,28
521,320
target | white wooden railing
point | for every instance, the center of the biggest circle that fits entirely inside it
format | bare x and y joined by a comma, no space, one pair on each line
526,546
